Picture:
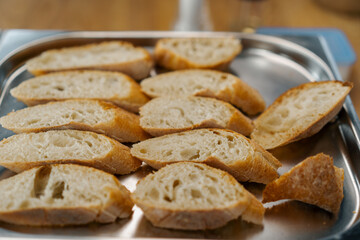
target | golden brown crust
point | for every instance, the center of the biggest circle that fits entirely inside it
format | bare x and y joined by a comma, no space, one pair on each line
167,58
315,181
137,69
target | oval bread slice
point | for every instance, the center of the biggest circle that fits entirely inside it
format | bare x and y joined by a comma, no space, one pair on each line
111,56
89,115
112,87
299,113
202,53
224,149
166,115
205,83
194,196
27,150
65,194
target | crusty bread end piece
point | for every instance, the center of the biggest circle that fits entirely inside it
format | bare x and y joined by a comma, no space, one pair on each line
112,87
166,115
224,149
111,56
88,115
194,196
299,113
203,53
205,83
65,194
27,150
315,181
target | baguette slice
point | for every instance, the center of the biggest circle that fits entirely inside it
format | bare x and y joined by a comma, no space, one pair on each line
166,115
206,83
315,181
27,150
224,149
194,196
65,194
203,53
88,115
112,87
299,113
112,56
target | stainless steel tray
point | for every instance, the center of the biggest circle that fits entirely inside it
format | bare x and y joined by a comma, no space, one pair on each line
271,65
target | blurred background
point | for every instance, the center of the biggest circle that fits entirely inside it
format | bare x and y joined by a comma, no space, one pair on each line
215,15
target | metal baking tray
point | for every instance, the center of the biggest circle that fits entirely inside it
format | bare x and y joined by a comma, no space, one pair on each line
269,64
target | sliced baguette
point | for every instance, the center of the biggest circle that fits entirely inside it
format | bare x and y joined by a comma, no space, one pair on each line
224,149
112,56
205,53
166,115
27,150
65,194
315,181
90,115
299,113
206,83
112,87
194,196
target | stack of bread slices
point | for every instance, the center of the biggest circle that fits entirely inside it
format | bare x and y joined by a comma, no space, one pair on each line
88,118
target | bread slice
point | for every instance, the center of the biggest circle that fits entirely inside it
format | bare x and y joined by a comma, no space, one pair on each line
194,196
112,87
170,114
65,194
27,150
111,55
205,83
90,115
299,113
224,149
315,181
204,53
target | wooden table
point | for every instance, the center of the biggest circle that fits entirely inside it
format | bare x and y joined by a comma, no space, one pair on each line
224,15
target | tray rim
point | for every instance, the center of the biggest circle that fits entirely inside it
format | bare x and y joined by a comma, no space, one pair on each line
331,70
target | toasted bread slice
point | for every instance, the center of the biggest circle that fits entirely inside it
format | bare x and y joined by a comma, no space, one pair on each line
89,115
205,83
166,115
299,113
111,56
113,87
194,196
27,150
224,149
65,194
315,181
203,53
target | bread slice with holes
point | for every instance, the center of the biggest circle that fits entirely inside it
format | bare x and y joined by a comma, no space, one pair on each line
27,150
109,55
173,114
113,87
299,113
315,181
65,194
206,83
194,196
88,115
201,53
224,149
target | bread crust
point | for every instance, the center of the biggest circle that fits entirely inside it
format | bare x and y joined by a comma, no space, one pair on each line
124,127
119,205
117,161
297,134
137,69
167,58
315,181
132,102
